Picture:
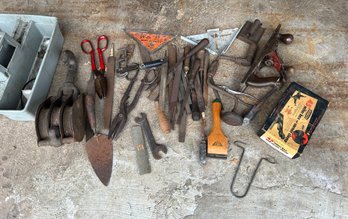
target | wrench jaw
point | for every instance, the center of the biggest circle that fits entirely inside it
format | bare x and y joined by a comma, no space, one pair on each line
156,152
146,129
140,119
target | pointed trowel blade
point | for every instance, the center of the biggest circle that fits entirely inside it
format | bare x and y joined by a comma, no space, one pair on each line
99,151
219,41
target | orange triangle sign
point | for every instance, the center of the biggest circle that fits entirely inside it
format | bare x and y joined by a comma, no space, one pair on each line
151,41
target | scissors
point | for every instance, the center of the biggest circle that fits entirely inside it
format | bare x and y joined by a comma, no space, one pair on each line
99,75
147,66
126,106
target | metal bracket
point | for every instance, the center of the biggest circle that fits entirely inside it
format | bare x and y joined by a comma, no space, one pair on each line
219,41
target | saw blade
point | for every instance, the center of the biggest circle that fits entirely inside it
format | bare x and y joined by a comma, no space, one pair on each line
151,41
219,41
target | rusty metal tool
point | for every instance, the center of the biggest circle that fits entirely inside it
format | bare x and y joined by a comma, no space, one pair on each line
187,59
202,146
182,127
60,119
163,121
217,142
110,76
187,111
142,156
154,147
201,45
251,34
125,53
183,121
202,151
199,93
119,121
100,154
222,88
202,101
201,55
172,59
268,159
267,57
90,104
174,93
182,90
205,78
100,79
190,87
162,99
195,113
135,66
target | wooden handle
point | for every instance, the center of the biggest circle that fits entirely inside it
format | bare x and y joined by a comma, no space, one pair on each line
216,109
187,59
201,45
163,121
217,142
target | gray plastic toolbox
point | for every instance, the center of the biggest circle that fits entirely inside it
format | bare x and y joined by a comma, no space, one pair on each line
29,51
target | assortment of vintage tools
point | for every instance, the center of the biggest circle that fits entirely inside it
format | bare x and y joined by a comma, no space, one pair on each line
177,83
265,57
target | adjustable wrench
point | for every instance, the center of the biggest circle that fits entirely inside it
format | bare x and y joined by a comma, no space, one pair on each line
145,126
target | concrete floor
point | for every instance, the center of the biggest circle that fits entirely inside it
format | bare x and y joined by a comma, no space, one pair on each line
52,182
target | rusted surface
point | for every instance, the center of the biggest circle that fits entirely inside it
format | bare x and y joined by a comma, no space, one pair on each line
110,77
60,119
99,151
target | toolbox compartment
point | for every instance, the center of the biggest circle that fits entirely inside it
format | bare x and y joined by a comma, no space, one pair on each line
29,51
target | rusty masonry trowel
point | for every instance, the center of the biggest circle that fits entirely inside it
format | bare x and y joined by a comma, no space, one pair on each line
98,146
